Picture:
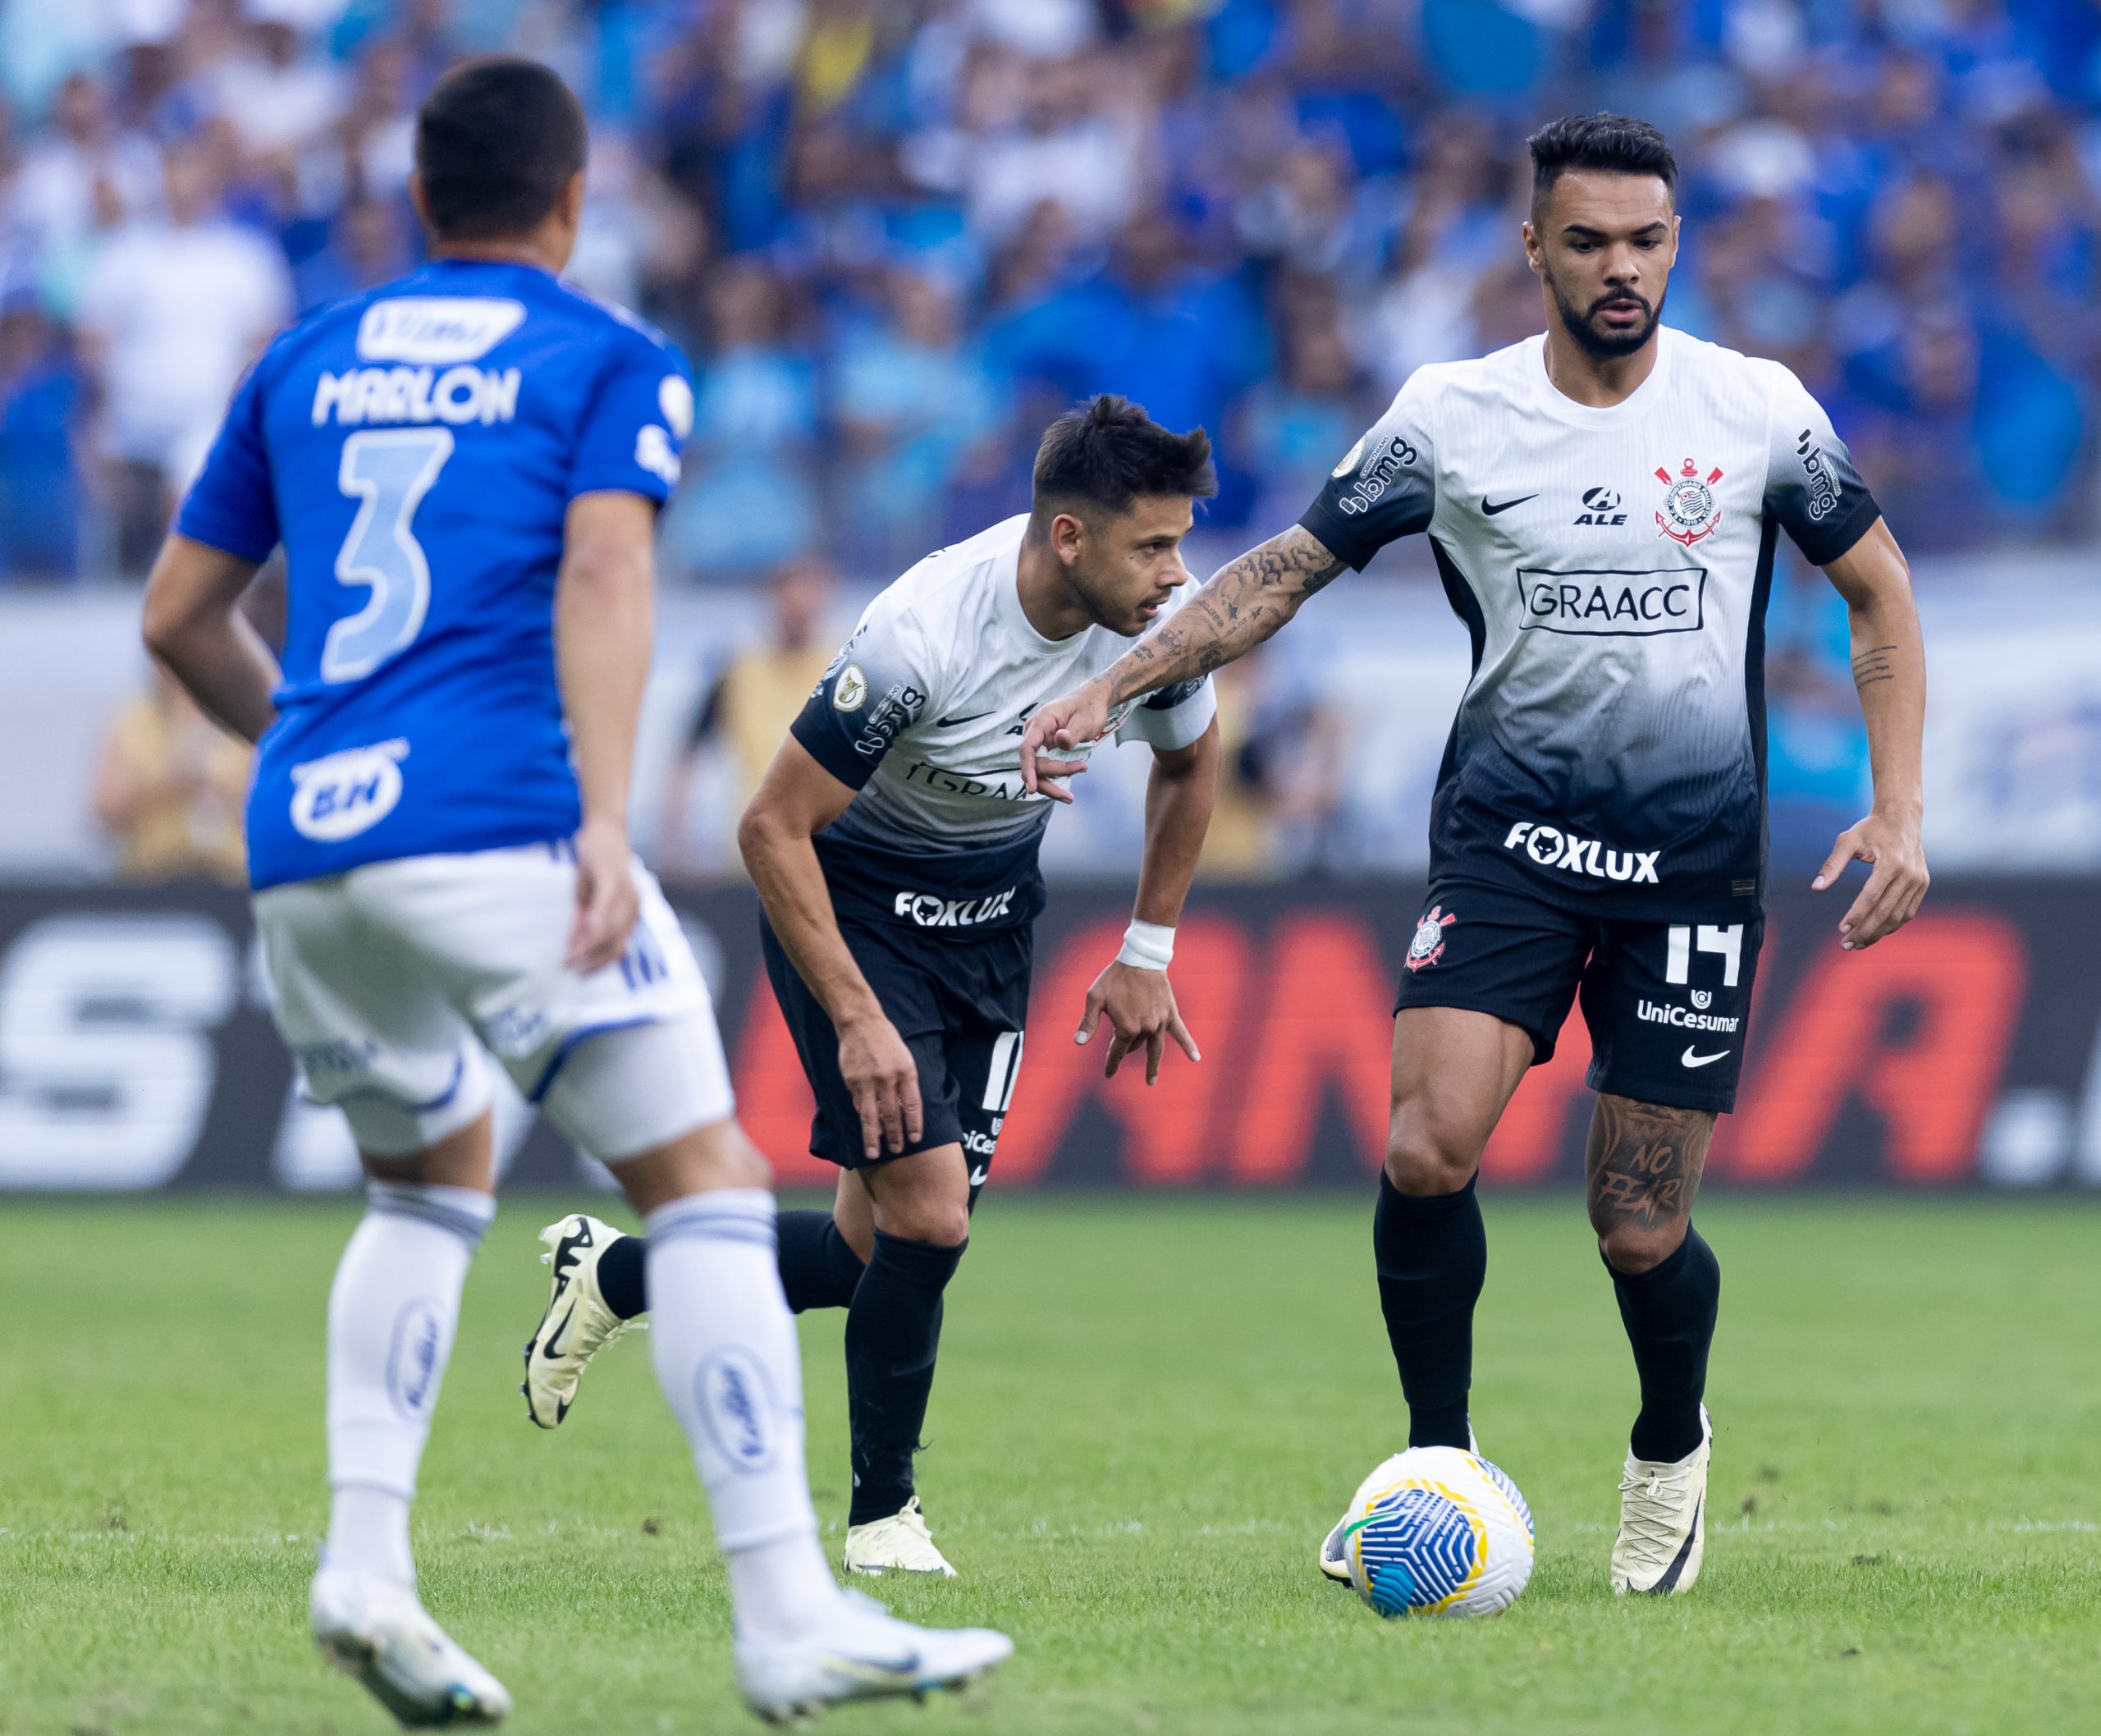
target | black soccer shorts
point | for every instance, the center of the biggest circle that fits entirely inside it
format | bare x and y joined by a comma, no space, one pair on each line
1667,1003
960,1003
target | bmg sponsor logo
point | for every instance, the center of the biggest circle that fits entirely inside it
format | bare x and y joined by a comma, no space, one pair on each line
1377,475
1822,485
1614,605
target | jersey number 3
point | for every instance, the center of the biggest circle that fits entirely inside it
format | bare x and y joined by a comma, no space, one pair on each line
388,471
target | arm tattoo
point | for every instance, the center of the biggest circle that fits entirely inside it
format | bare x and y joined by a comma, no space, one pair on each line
1238,608
1872,666
1643,1162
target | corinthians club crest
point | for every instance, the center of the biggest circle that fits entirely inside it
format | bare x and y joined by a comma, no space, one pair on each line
1690,511
1428,945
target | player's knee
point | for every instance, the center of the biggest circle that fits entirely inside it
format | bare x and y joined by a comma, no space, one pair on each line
1419,1160
942,1223
1634,1248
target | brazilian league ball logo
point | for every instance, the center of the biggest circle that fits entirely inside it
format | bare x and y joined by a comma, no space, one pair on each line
1690,511
1428,945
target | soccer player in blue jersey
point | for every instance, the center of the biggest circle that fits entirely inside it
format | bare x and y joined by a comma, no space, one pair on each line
464,469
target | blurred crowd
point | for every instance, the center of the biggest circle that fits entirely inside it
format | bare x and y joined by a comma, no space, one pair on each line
897,235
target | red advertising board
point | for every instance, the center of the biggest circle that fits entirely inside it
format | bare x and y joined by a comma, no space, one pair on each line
135,1049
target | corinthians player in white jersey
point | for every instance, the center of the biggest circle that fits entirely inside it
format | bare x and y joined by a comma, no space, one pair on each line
1604,503
893,846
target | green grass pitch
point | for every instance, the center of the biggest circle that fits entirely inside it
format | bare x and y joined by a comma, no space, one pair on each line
1148,1411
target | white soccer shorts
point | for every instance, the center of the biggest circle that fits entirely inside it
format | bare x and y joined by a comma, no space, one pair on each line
390,982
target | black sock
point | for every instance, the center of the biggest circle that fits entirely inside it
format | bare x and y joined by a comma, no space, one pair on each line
619,1275
893,1328
1668,1311
1432,1254
818,1268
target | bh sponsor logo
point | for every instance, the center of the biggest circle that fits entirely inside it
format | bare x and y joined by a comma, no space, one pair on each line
737,1408
341,794
929,911
1550,847
1612,605
1684,1019
416,1359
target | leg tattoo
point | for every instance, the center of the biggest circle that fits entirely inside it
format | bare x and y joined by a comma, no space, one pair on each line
1642,1165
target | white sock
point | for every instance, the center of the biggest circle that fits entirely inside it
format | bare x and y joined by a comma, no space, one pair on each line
724,1345
391,1313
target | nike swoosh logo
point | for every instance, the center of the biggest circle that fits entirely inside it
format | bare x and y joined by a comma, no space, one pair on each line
554,1338
1668,1583
978,1174
1690,1060
957,723
875,1670
1489,511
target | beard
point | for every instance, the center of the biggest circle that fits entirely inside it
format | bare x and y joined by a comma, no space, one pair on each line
1597,342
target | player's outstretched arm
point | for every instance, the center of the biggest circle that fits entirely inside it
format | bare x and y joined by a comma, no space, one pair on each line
1132,992
796,801
605,613
1889,669
1238,607
194,624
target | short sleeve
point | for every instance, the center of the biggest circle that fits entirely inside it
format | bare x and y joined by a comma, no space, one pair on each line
1385,487
876,688
1173,717
231,505
1811,487
634,428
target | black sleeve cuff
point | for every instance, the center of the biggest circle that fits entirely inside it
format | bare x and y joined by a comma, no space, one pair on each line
820,736
1341,538
1821,544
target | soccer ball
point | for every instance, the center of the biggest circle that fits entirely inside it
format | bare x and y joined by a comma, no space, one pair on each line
1435,1531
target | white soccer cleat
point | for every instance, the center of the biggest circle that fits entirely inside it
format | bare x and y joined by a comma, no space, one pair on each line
378,1632
901,1544
1662,1521
864,1653
577,1325
1333,1558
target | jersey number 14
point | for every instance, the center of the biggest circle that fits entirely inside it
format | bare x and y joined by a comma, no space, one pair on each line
388,471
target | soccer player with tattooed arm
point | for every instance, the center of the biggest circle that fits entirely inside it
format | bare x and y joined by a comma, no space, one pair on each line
1603,503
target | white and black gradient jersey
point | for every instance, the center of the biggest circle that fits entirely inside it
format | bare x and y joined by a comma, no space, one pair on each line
923,713
1612,566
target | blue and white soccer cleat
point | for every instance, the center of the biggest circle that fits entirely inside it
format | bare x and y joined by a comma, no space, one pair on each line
1333,1558
577,1325
1662,1521
864,1653
380,1632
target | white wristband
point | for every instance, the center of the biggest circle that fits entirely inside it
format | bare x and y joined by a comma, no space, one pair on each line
1148,945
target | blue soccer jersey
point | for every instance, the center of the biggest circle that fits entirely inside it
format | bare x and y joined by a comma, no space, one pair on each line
415,450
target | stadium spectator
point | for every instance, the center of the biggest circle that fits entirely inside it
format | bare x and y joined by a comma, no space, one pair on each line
174,306
1899,203
169,790
746,709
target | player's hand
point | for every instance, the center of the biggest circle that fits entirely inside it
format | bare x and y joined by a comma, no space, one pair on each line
606,903
1139,1005
1897,877
1068,721
880,1071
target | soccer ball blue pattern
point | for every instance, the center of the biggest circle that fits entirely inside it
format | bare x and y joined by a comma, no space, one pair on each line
1436,1531
1416,1547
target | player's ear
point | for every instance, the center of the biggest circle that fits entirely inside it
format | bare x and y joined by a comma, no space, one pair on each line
1069,537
